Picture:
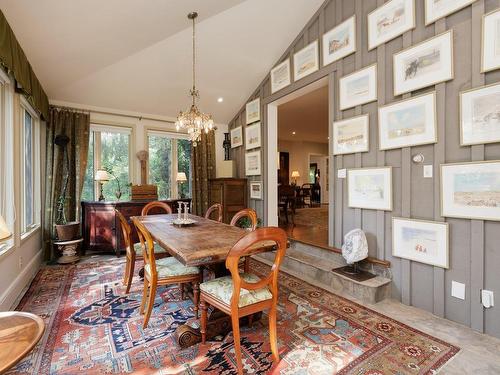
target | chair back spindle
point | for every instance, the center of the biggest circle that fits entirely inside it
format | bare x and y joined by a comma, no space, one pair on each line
147,245
156,204
126,231
247,212
217,207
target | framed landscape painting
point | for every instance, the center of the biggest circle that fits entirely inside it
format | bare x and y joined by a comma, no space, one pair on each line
339,41
436,9
490,59
253,111
389,21
480,116
471,190
255,190
358,88
236,137
351,135
409,122
370,188
306,61
280,76
421,241
252,163
252,136
424,64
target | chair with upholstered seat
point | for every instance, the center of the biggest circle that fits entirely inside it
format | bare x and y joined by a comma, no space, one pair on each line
134,251
163,271
244,294
217,207
156,204
252,216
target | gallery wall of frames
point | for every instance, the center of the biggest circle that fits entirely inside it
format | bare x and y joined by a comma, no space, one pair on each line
415,119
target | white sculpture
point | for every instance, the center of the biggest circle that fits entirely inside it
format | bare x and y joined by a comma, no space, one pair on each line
355,247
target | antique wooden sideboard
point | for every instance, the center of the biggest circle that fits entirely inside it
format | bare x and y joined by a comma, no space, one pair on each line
232,193
101,228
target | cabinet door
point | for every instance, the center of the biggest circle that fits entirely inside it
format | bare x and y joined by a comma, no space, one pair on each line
102,228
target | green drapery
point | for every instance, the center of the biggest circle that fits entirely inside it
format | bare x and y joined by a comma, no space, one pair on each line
203,164
76,126
13,59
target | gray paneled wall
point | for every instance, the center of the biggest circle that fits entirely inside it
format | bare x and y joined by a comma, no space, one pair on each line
474,251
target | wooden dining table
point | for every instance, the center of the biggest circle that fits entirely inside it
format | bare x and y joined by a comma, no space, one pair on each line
206,243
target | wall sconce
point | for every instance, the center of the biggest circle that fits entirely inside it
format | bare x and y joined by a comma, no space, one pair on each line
418,158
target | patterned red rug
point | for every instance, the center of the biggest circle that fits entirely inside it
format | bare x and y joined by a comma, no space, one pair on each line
94,328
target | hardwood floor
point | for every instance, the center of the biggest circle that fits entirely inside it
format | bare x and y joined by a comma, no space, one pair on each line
311,226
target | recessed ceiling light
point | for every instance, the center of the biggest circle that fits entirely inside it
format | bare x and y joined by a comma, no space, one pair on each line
220,100
293,133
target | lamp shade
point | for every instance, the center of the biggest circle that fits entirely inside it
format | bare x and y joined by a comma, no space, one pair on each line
4,231
101,175
181,177
295,174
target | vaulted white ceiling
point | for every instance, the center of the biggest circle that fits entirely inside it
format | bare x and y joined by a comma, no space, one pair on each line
136,55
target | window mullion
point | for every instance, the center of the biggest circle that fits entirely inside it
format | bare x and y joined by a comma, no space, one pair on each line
97,160
174,169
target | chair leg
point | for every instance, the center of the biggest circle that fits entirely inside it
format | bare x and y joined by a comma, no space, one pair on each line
203,325
235,320
151,303
250,320
183,291
126,273
196,297
144,295
273,338
130,275
246,266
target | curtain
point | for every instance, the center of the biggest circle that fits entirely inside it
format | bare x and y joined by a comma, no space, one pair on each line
203,159
76,127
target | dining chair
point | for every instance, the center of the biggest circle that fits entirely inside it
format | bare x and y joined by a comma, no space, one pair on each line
217,207
134,250
243,294
156,204
252,216
165,271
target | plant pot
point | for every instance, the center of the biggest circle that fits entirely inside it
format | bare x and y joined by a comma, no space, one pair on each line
68,231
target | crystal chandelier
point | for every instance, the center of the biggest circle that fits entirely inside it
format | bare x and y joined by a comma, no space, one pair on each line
194,121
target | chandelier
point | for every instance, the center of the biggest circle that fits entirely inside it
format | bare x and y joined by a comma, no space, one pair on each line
194,121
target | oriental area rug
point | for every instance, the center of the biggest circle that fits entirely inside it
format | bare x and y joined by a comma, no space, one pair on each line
93,327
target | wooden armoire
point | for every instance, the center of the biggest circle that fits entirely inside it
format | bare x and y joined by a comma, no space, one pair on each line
232,193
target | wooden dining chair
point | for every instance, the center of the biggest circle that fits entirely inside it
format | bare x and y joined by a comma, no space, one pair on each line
134,250
252,216
217,207
244,294
165,271
156,204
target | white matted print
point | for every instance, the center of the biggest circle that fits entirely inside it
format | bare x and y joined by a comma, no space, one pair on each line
339,41
280,76
253,111
436,9
409,122
252,163
389,21
358,88
236,137
255,190
421,241
370,188
306,61
490,59
252,136
424,64
351,135
480,115
471,190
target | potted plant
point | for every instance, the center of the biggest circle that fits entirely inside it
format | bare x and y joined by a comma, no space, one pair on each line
66,231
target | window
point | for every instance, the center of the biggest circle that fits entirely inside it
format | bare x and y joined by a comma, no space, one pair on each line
168,155
109,149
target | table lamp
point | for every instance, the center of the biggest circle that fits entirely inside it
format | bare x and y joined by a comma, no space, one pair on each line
101,176
295,175
181,178
5,233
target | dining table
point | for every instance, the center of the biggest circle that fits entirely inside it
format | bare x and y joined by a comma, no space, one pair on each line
204,243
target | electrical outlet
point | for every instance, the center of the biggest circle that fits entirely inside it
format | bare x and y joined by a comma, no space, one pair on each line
20,262
487,298
458,290
428,171
342,173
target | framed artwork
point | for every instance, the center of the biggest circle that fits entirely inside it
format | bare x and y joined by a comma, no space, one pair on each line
236,137
339,41
280,76
252,136
389,21
351,135
424,64
370,188
436,9
253,111
255,190
252,163
471,190
490,42
479,115
358,88
306,61
409,122
421,241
